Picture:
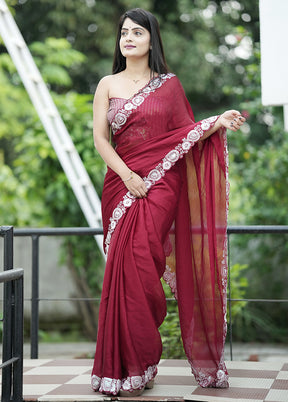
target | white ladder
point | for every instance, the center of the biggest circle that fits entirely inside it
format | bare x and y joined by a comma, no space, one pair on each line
53,124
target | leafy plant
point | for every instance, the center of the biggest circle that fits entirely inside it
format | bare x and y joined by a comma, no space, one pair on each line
237,286
259,173
34,188
170,329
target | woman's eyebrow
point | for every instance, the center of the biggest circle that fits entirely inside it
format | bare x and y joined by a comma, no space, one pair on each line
133,29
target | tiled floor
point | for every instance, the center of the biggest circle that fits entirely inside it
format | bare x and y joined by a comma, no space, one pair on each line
69,380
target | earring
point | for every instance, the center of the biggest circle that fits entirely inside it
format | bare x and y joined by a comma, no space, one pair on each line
150,47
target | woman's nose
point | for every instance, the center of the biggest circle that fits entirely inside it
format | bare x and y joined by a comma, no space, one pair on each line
128,36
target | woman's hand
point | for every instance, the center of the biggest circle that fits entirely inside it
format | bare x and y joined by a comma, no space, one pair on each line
232,119
136,185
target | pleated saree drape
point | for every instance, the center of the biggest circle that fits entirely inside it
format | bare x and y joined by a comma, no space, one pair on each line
178,231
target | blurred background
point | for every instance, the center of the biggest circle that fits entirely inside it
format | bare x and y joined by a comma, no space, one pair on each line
213,47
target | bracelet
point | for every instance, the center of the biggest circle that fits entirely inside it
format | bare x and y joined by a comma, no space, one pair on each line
129,178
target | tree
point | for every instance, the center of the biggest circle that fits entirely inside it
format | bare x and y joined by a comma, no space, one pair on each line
260,172
204,45
35,188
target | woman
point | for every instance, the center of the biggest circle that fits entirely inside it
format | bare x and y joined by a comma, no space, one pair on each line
164,206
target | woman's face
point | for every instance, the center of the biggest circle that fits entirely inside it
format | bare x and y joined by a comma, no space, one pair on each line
134,40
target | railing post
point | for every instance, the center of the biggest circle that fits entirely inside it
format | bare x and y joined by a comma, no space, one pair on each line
229,301
8,246
13,393
18,341
7,308
35,298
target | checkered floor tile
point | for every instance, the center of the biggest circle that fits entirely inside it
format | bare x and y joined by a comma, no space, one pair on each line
69,380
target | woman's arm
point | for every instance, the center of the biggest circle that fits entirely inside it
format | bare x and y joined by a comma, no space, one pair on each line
101,134
231,119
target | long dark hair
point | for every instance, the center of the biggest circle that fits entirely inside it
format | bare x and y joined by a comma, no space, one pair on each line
157,62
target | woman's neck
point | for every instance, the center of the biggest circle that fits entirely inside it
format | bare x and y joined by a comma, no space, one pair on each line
137,68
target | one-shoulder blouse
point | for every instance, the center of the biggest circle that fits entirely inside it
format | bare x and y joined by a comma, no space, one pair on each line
114,105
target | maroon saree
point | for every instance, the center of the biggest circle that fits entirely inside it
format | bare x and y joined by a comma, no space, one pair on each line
178,232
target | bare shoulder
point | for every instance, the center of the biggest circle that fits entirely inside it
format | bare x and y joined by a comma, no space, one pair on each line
107,83
104,84
101,96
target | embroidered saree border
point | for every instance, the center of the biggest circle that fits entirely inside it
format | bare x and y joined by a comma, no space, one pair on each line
222,379
159,171
113,386
169,276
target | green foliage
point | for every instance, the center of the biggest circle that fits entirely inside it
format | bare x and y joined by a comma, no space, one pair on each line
259,172
34,188
170,329
238,286
55,58
58,337
194,35
255,324
32,161
267,277
15,208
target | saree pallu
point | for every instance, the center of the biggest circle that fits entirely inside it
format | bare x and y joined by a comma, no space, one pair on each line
178,231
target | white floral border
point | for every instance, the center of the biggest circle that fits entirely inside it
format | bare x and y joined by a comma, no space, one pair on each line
208,381
159,171
222,379
169,277
112,386
136,100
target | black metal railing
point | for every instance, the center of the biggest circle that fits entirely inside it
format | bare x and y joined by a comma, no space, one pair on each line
12,334
35,234
252,229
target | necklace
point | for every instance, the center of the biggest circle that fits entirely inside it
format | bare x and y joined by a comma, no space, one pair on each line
136,81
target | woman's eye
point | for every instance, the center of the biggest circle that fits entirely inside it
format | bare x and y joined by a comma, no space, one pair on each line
123,33
138,33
